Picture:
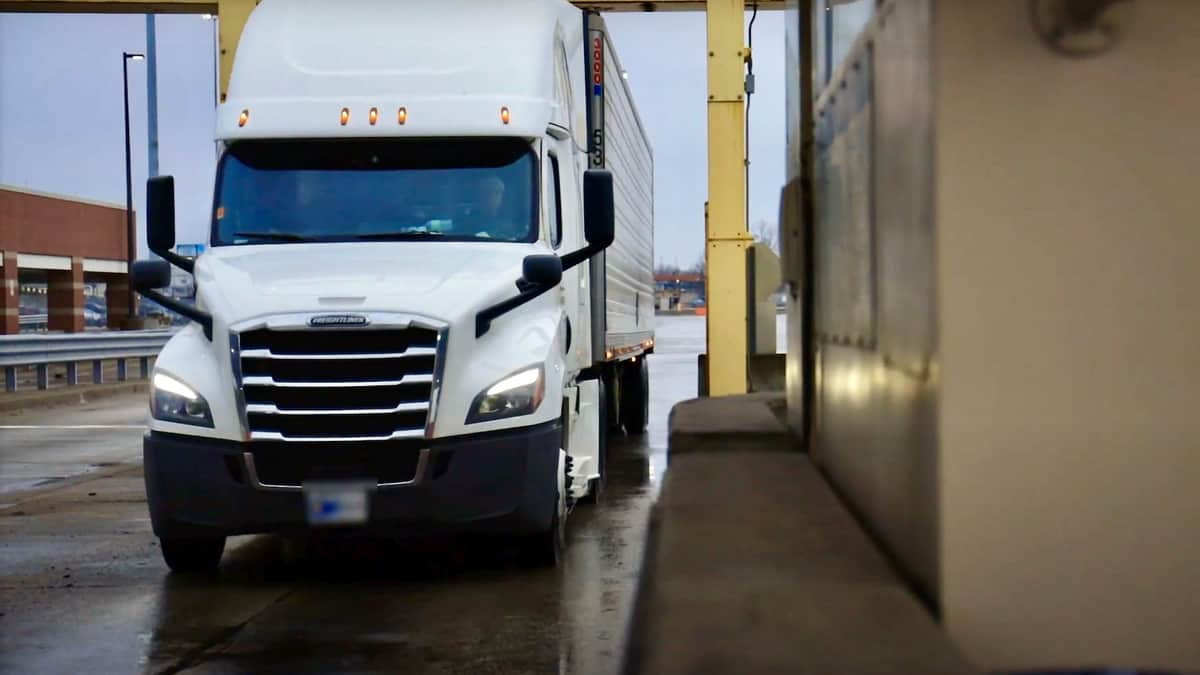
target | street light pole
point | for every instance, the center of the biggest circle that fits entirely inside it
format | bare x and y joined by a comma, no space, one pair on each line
130,233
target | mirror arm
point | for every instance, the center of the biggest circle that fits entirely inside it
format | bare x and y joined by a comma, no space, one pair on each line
179,261
575,257
483,320
184,309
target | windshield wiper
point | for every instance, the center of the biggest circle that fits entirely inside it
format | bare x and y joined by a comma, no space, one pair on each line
411,234
275,236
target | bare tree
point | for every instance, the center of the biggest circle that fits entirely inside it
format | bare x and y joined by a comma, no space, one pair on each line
766,233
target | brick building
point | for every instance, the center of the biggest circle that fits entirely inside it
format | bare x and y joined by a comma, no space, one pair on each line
69,242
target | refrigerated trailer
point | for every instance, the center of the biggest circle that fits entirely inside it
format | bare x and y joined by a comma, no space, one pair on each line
427,295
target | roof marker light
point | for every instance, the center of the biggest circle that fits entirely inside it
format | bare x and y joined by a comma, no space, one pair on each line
345,116
373,116
402,115
243,118
505,116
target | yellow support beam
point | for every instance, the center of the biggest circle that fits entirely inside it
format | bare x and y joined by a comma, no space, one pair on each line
726,235
662,5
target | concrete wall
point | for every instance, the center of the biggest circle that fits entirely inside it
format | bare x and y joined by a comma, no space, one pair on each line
1068,211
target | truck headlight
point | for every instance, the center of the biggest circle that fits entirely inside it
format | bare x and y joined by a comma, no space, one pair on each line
174,401
518,394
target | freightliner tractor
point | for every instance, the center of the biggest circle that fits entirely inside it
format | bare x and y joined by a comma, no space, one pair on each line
428,292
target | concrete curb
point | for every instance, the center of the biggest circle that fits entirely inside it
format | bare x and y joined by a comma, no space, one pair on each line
753,564
77,395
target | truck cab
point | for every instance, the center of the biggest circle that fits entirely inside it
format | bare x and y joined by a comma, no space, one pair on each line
397,322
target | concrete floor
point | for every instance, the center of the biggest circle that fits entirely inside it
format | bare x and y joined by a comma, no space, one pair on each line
83,588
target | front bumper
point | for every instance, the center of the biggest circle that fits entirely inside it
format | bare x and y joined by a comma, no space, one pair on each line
500,482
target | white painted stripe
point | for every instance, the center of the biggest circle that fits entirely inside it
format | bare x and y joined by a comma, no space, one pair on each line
104,266
43,262
72,426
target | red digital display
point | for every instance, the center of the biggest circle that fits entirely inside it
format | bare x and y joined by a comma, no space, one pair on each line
598,60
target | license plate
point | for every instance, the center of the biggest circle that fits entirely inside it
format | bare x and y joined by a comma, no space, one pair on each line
337,503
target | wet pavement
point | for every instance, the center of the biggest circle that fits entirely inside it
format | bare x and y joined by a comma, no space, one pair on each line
83,587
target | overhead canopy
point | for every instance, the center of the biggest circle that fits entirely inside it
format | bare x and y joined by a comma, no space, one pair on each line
211,7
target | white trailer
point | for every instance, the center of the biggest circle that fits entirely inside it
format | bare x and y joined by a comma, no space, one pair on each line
404,319
617,141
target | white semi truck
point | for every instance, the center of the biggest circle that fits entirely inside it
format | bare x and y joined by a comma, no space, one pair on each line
409,316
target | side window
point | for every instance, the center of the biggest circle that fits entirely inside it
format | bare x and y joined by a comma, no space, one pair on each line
553,192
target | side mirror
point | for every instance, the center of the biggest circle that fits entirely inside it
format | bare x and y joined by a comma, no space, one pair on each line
160,213
539,274
151,274
598,211
542,271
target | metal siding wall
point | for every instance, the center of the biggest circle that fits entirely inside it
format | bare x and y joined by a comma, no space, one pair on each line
875,431
630,260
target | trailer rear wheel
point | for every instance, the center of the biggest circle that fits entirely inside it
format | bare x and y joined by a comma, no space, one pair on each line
635,395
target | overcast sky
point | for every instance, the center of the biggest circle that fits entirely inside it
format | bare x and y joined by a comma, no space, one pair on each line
61,112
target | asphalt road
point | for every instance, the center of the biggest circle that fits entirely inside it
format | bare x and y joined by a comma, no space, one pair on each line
83,587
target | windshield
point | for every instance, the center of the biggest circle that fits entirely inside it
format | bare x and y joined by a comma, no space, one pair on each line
355,190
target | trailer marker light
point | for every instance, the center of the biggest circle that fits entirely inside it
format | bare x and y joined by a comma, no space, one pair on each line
402,115
373,116
345,116
243,118
505,116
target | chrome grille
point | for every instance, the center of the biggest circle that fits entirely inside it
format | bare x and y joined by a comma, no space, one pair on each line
324,385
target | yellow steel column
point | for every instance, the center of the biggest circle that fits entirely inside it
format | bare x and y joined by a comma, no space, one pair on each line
232,16
726,238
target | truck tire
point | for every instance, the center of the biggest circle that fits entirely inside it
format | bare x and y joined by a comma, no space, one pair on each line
545,549
192,555
635,396
612,390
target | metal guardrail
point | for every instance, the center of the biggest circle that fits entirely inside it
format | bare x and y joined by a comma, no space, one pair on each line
42,350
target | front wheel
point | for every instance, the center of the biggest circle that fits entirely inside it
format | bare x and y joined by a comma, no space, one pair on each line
192,555
545,549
